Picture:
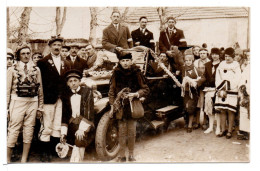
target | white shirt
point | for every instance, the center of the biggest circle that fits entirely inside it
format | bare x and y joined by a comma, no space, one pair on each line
73,58
142,30
57,62
116,26
75,100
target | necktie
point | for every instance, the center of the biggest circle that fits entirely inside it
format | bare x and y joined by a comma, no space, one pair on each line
25,69
170,32
143,31
116,26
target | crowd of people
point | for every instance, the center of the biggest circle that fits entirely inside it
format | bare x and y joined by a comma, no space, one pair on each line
215,86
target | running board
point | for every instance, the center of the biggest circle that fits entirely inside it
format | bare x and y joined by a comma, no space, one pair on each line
156,124
165,110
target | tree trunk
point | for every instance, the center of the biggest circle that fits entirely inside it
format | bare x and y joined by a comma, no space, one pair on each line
60,23
162,15
93,25
24,25
124,15
8,23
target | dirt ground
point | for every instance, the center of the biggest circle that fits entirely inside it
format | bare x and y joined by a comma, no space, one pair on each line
176,146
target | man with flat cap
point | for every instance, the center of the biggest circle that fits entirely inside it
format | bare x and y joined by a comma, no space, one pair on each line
53,68
116,35
75,61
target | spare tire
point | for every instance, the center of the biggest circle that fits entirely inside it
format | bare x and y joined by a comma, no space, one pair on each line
106,140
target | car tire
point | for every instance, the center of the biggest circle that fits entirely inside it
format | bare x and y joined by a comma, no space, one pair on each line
106,141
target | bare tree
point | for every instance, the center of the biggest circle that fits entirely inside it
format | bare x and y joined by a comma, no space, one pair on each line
24,25
8,23
162,15
60,22
124,15
93,25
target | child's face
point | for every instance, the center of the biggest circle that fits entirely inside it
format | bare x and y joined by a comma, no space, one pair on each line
125,63
73,83
203,54
188,60
228,59
215,56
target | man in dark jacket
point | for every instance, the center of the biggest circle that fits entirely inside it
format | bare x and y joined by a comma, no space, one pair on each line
171,36
116,35
53,68
75,61
142,36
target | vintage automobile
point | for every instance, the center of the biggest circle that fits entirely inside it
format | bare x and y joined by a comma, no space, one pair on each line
163,105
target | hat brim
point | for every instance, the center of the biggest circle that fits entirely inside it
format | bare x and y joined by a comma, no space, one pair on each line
54,40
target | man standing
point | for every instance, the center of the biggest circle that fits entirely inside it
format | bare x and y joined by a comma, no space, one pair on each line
142,36
171,36
116,35
53,68
75,61
9,58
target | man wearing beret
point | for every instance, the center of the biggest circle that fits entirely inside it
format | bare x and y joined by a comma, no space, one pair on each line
116,35
75,61
142,36
77,114
53,68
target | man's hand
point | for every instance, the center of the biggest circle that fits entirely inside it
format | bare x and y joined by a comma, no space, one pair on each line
132,95
39,114
79,135
119,48
178,72
63,139
169,53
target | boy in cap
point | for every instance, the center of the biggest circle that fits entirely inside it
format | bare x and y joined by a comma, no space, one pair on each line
24,100
53,68
126,75
77,114
228,76
192,79
64,52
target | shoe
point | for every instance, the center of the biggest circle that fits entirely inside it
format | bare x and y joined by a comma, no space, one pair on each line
221,134
121,159
242,137
204,127
196,126
229,135
189,130
131,158
209,130
217,131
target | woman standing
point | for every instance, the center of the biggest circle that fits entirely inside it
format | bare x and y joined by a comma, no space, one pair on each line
228,76
210,74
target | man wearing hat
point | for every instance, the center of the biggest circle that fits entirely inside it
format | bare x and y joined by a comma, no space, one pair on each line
24,100
75,61
142,36
64,52
171,36
53,68
126,75
9,58
77,114
116,35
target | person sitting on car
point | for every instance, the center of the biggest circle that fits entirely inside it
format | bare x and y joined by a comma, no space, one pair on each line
77,115
126,75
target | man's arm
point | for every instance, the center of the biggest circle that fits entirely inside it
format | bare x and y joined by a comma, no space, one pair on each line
106,43
129,38
9,85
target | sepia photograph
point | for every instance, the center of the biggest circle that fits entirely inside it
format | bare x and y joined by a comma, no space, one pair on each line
123,84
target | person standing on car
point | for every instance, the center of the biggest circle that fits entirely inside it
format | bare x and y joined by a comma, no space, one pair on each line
126,75
142,36
24,100
77,114
116,35
53,68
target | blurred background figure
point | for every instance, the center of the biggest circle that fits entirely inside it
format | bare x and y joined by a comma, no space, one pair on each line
36,57
9,58
64,52
82,52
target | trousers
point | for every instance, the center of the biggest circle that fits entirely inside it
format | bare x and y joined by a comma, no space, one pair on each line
127,131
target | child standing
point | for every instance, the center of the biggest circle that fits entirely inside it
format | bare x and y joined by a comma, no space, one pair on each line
192,80
77,114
